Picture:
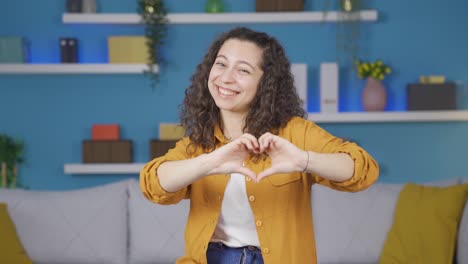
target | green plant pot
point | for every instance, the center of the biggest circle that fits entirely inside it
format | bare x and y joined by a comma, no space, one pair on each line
214,6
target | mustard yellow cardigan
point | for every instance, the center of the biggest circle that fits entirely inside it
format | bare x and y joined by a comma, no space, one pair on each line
281,203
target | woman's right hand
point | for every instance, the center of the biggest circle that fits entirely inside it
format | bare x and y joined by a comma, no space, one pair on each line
230,157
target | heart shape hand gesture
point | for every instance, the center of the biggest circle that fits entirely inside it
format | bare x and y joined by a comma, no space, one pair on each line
285,156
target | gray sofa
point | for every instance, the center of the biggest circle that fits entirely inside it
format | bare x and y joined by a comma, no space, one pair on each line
115,224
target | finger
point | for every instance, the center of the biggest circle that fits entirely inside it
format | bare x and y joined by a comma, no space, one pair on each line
264,135
266,142
244,142
268,172
250,143
252,139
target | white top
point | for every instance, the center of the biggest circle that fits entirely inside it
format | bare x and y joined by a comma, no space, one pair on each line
236,224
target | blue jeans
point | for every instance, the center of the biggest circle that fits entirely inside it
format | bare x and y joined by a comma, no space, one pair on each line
218,253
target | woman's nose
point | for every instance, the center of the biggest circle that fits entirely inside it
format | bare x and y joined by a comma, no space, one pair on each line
227,76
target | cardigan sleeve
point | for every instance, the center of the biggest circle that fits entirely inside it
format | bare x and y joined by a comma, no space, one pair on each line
149,180
366,169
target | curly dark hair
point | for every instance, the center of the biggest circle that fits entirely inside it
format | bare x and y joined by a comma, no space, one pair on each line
274,104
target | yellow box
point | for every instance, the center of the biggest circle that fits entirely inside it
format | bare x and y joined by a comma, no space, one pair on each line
170,131
127,49
432,79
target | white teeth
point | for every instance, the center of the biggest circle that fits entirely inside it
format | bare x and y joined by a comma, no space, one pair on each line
225,92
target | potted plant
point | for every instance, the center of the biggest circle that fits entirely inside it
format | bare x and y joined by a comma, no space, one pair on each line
154,16
11,154
374,94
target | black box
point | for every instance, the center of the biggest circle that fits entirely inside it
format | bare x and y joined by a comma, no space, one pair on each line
279,5
431,96
159,148
107,151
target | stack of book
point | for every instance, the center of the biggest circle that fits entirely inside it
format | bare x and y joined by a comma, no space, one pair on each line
68,50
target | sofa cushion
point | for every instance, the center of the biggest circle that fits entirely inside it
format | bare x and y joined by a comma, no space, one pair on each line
78,226
462,243
425,226
352,227
10,245
156,231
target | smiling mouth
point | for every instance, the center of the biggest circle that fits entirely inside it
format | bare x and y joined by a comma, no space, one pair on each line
226,92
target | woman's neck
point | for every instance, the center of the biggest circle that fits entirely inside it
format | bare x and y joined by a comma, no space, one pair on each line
232,124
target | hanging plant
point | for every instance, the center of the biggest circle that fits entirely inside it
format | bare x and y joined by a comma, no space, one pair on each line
348,35
153,14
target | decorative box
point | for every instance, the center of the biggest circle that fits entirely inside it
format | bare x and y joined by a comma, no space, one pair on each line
159,148
105,132
127,49
13,50
431,96
279,5
432,79
107,151
168,131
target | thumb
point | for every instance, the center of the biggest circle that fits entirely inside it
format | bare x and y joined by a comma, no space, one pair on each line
246,172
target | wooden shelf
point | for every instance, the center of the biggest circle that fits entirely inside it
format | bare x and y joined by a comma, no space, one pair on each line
402,116
73,68
103,168
204,18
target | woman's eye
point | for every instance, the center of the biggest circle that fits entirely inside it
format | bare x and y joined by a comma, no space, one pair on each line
244,71
220,64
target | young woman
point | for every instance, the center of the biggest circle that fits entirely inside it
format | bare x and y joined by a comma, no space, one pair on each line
250,158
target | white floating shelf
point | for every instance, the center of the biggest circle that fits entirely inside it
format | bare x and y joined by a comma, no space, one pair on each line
204,18
72,68
403,116
104,168
344,117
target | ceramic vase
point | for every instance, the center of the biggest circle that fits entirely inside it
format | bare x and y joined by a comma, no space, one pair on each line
374,95
214,6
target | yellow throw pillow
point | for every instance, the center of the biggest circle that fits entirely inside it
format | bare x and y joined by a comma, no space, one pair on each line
10,245
425,226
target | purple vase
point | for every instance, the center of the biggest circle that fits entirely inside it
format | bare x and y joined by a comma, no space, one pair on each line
374,95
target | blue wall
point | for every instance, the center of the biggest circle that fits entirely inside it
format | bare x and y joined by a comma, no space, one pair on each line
54,113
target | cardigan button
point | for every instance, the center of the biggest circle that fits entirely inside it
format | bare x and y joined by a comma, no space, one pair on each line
265,250
251,198
259,223
248,179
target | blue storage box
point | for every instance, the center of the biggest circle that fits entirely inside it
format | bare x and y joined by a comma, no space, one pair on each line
13,50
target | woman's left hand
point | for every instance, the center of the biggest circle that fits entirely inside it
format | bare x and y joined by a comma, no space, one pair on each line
285,156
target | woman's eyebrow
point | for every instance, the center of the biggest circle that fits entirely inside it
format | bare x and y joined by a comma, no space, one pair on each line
240,61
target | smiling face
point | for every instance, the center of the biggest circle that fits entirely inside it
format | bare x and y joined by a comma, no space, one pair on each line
235,75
